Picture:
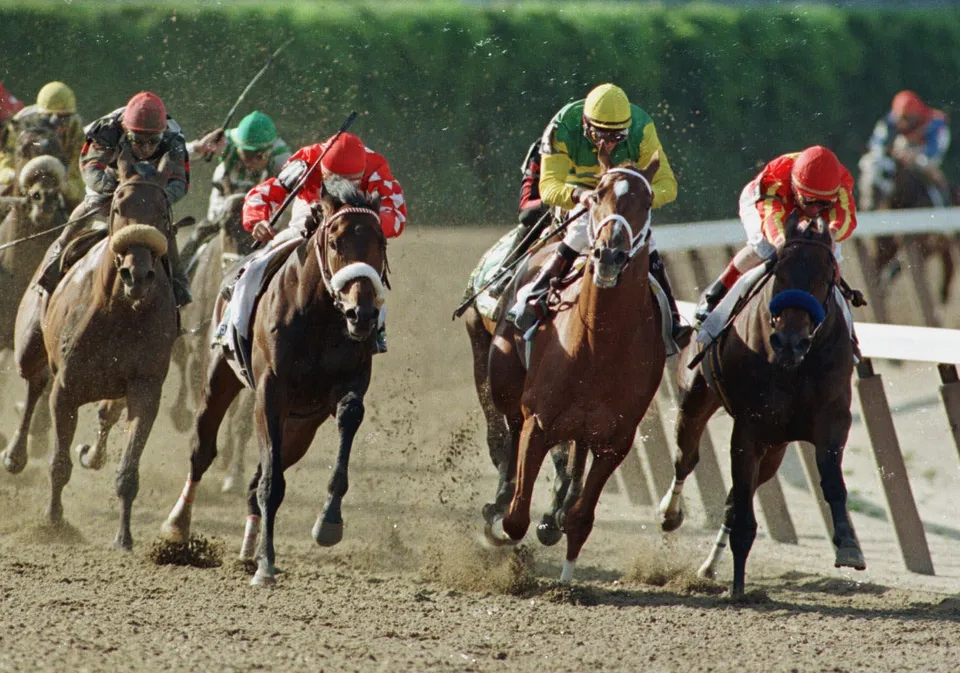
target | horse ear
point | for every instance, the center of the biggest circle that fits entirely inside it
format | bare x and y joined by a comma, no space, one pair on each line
791,227
327,201
652,167
125,163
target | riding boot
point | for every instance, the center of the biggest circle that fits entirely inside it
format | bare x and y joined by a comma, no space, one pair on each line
679,331
181,284
201,233
557,266
714,294
52,261
381,339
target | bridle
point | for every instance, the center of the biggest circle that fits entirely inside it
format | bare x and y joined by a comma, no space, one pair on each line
168,214
638,240
801,299
335,282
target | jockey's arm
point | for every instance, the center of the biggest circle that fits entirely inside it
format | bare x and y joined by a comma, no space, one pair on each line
843,215
882,137
664,182
178,164
95,159
554,190
393,206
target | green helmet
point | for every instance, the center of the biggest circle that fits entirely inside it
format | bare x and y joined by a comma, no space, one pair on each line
255,132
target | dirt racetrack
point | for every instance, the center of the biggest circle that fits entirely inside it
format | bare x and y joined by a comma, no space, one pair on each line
410,588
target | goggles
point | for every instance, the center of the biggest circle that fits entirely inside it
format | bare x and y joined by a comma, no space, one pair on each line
809,203
252,155
608,136
140,139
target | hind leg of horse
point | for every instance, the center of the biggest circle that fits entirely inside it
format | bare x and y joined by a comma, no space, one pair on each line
143,404
108,414
64,412
179,411
745,467
942,246
550,528
576,466
271,416
38,441
251,530
579,521
699,403
328,529
494,513
531,452
886,258
709,568
829,453
241,425
219,391
15,455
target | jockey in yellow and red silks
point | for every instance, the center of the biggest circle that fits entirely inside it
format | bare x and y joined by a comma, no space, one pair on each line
810,184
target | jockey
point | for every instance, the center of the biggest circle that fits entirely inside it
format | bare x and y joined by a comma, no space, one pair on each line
9,105
917,136
605,128
249,154
808,184
143,126
55,109
347,158
532,207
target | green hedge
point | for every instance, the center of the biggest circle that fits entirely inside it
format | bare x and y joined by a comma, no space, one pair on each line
454,94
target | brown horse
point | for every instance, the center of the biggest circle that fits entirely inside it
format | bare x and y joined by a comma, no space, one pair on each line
190,354
593,369
313,335
30,144
783,372
904,189
105,333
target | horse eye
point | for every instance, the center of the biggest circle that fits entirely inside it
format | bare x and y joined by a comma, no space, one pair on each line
36,196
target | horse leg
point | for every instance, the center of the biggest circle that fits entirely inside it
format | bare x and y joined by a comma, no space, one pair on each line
143,403
271,403
15,455
886,264
38,441
108,415
709,568
829,453
745,472
578,458
221,388
179,411
579,522
494,513
228,446
942,246
64,412
699,403
328,529
252,528
532,450
241,422
549,530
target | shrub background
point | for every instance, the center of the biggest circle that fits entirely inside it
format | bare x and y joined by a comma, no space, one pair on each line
454,94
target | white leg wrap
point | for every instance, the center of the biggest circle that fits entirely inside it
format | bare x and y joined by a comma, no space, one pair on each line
709,567
185,503
670,505
250,533
566,574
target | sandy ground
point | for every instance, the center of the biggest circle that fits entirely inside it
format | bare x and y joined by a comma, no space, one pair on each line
411,589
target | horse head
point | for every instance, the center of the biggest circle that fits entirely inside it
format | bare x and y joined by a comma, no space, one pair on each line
620,219
41,181
139,216
352,252
803,283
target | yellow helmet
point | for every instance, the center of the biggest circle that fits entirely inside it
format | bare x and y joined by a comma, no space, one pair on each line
57,97
607,107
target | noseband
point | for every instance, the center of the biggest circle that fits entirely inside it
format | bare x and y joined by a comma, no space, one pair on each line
637,240
335,282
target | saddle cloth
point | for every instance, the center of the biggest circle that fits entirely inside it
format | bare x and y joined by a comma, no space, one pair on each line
713,326
233,331
489,306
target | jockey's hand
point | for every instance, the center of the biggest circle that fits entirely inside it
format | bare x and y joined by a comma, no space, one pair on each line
263,232
211,143
583,196
857,298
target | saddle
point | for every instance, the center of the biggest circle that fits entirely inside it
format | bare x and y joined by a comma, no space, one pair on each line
80,246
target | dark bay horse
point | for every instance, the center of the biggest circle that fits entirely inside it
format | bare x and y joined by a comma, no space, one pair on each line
191,353
593,368
904,189
105,333
784,374
313,334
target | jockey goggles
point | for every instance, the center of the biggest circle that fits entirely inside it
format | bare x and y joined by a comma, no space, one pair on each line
140,139
598,135
252,155
808,203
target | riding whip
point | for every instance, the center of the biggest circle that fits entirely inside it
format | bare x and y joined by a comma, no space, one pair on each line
15,200
66,224
462,308
226,122
303,179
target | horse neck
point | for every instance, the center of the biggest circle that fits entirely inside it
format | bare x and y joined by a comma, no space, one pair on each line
612,316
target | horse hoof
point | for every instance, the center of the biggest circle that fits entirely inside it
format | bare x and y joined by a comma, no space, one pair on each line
171,532
706,572
84,452
496,536
548,532
13,466
123,544
489,512
263,579
670,524
850,556
230,485
327,534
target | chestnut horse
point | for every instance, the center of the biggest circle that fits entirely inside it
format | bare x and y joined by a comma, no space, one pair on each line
593,369
783,372
105,333
313,334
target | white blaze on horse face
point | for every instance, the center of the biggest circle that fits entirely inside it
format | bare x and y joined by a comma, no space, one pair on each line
621,187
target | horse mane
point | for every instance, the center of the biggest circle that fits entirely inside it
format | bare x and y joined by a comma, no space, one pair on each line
345,193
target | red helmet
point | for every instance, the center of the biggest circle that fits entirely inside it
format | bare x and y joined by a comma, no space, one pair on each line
145,112
346,157
908,104
816,174
9,105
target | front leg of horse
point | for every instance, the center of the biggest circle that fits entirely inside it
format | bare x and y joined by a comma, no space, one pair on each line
15,455
328,530
143,403
532,450
179,411
550,528
108,415
745,473
64,412
829,464
271,416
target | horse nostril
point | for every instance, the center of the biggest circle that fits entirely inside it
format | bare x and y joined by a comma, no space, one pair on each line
620,257
776,342
351,314
595,253
151,274
126,276
803,345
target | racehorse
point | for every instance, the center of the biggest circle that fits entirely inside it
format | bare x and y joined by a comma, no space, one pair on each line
903,188
105,333
313,336
783,372
219,255
593,368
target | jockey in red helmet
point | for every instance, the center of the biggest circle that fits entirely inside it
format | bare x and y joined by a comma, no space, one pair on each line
810,184
9,105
